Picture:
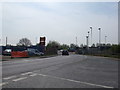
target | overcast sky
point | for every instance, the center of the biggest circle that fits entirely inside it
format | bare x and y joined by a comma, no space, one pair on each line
59,21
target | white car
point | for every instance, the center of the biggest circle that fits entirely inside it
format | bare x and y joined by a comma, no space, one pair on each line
34,52
7,52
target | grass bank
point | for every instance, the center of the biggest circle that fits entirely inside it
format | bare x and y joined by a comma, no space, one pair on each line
106,55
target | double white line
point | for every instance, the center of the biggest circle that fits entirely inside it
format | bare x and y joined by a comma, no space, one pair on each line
9,77
18,79
26,73
1,84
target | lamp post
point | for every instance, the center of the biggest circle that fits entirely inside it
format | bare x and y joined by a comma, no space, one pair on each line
88,38
76,41
91,35
87,41
99,35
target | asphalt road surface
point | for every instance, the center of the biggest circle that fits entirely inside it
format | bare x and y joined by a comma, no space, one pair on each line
73,71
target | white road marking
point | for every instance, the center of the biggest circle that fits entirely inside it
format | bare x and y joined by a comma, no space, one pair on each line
42,75
34,74
18,79
26,73
6,78
1,84
76,81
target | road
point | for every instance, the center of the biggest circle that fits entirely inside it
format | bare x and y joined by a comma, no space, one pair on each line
73,71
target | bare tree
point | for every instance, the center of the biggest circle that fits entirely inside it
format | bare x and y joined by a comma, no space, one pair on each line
24,42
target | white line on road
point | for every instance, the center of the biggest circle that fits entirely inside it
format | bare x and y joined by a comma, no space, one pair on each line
18,79
34,74
42,75
76,81
26,73
1,84
6,78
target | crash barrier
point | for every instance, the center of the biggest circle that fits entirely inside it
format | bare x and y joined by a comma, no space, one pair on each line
19,54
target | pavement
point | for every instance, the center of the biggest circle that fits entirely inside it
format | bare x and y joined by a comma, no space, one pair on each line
73,71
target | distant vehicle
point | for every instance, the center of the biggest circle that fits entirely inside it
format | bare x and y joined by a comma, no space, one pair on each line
59,52
65,52
7,52
33,52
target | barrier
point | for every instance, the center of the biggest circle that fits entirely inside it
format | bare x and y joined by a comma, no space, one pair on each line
19,54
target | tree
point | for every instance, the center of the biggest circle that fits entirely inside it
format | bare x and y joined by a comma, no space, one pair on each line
93,45
73,46
52,47
115,49
24,42
64,46
53,44
81,45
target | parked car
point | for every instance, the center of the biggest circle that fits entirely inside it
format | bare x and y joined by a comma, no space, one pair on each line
33,52
7,52
59,52
65,52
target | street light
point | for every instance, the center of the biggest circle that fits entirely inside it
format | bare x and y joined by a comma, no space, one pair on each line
91,35
99,35
88,33
76,41
88,38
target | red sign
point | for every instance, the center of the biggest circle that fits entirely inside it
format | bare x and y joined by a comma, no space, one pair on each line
19,54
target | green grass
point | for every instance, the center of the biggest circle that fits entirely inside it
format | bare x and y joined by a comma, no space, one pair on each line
106,55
